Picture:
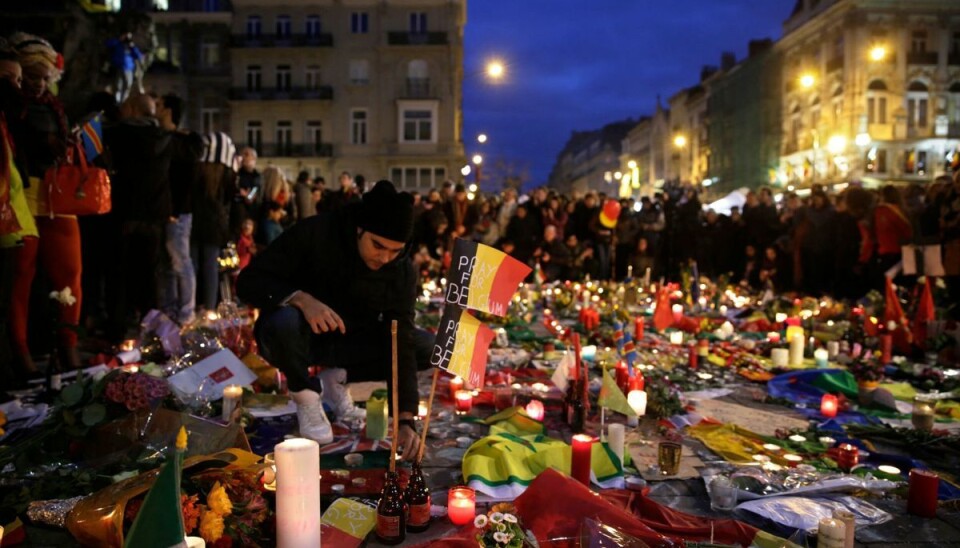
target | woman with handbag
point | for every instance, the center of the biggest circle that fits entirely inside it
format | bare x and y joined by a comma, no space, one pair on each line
42,133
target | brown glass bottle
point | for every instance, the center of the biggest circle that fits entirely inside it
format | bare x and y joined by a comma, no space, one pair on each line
417,497
391,514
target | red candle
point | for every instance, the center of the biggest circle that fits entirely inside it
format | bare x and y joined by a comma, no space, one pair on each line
535,410
692,358
580,462
638,329
623,376
637,382
886,348
464,401
922,497
847,456
461,505
773,336
456,384
828,406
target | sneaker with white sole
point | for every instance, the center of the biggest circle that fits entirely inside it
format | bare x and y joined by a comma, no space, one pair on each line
313,423
337,396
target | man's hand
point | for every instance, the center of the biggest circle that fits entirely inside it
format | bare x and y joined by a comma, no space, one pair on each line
322,318
408,439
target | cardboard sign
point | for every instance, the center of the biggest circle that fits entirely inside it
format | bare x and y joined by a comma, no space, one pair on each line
208,377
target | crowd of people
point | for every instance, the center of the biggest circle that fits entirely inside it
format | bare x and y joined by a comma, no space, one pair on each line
179,197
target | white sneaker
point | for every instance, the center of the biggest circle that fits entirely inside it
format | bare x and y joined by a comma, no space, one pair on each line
337,395
313,421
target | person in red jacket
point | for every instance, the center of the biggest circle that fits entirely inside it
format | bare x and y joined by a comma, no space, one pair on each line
891,228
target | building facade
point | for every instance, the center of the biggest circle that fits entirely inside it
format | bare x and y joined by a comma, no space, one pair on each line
589,159
644,156
871,91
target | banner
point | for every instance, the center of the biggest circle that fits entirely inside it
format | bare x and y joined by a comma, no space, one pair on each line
461,345
483,278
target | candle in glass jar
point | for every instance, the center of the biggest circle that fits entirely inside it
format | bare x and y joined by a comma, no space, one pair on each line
456,384
464,401
580,461
676,338
637,399
677,312
231,399
821,356
461,505
535,410
828,406
792,460
773,336
847,456
298,493
831,533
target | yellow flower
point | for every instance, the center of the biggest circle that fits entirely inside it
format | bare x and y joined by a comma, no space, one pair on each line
182,439
211,526
218,501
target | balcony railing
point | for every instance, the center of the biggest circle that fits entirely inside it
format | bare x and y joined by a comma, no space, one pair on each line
417,88
290,150
417,38
922,58
835,64
274,41
274,94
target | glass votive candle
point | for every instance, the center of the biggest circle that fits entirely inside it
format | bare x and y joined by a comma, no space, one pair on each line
771,447
461,505
847,456
503,398
723,494
792,460
676,338
456,384
464,401
797,438
269,473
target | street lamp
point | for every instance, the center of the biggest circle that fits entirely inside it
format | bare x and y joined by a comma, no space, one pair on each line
679,141
477,161
482,138
836,144
807,80
496,70
878,53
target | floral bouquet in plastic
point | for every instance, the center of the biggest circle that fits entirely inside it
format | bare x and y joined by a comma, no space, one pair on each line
500,527
136,390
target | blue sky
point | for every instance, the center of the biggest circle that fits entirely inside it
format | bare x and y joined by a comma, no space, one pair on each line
579,64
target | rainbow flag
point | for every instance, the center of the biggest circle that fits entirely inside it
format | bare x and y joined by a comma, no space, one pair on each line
483,278
91,136
461,345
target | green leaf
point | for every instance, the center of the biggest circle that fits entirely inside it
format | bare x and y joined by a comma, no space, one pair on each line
94,414
72,394
69,417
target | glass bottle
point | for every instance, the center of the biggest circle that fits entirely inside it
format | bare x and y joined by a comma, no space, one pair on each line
575,406
391,514
417,498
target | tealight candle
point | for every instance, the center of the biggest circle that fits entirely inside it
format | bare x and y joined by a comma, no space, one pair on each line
780,317
773,336
828,406
821,356
461,505
464,401
422,409
456,384
827,441
797,438
676,338
762,459
772,467
298,492
677,312
582,447
792,460
539,387
887,469
773,448
535,410
231,399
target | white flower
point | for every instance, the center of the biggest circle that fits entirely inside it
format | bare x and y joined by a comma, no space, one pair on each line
480,521
500,537
64,296
496,517
509,518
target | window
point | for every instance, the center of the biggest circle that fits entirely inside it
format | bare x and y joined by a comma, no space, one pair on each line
313,26
955,43
253,77
358,126
313,135
418,79
312,77
359,72
417,177
283,26
917,105
876,160
211,5
209,53
418,22
254,135
837,111
877,102
283,77
918,41
253,26
815,118
417,121
284,138
210,120
359,22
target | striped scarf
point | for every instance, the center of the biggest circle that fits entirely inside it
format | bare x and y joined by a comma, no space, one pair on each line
218,148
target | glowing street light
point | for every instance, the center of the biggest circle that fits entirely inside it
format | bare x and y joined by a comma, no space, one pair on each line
807,80
472,187
836,144
679,141
632,164
477,159
482,138
878,53
618,175
465,170
496,70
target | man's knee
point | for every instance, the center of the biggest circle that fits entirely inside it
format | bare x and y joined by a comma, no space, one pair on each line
280,325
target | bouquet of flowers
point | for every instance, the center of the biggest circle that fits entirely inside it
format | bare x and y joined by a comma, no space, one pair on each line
136,391
499,528
866,370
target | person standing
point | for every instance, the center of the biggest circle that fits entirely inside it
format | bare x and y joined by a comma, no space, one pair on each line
211,202
246,204
892,229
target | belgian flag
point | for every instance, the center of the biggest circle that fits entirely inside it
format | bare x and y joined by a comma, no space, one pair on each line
483,278
461,345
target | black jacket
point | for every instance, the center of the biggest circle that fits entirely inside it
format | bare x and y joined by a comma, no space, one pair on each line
319,256
186,147
140,154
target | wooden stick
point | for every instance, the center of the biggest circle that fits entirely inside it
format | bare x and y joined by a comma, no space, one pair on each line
426,420
396,400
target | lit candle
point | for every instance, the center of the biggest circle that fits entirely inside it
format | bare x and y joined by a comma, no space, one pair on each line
637,399
773,448
539,387
676,338
797,438
780,317
780,357
792,460
847,456
828,406
464,401
638,328
298,493
580,461
773,336
849,524
461,505
886,348
821,356
887,469
588,353
831,533
615,437
761,458
827,441
723,309
231,399
456,384
422,409
922,495
796,350
794,329
535,410
677,312
833,349
128,345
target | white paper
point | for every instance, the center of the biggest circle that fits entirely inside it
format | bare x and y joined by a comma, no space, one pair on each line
212,374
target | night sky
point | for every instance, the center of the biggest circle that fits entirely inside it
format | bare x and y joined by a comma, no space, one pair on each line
579,64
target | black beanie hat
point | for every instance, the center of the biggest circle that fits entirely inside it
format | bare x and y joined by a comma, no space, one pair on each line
387,213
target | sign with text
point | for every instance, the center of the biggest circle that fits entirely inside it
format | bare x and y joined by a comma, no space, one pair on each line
483,278
461,345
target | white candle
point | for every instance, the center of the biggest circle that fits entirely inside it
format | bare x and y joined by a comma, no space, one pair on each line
615,434
773,448
780,317
727,328
796,350
780,357
677,312
676,338
821,356
638,402
887,469
793,460
833,349
797,438
831,533
298,493
231,398
827,441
